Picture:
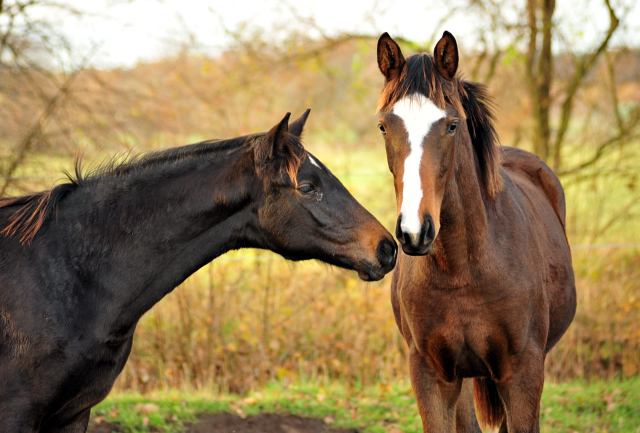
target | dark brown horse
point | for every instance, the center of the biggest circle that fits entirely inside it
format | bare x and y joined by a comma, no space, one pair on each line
80,264
485,287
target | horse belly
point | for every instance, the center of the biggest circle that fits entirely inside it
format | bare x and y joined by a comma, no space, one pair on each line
562,302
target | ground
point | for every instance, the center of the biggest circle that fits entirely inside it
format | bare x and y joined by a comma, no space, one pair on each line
230,423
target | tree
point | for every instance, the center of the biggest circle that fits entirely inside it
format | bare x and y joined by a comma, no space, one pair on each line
46,87
536,35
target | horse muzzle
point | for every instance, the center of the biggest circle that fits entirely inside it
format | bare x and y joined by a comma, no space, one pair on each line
417,244
386,253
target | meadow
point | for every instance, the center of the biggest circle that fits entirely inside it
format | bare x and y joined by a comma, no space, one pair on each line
252,332
574,406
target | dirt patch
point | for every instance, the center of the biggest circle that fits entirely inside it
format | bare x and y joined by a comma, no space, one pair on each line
230,423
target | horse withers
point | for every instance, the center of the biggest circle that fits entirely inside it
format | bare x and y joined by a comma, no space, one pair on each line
81,263
484,287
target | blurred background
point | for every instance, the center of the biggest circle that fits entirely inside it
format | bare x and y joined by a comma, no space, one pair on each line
103,77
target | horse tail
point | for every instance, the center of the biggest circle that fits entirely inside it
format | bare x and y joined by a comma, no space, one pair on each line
488,403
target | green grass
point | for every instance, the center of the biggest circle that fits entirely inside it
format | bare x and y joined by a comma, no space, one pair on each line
598,407
567,407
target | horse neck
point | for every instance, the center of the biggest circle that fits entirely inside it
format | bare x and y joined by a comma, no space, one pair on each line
145,237
463,218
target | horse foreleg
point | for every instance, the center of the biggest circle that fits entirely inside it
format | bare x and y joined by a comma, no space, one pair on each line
521,394
436,399
466,421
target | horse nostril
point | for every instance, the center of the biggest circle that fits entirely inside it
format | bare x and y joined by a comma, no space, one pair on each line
386,253
428,229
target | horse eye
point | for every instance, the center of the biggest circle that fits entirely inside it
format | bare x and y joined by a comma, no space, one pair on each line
306,188
452,127
381,127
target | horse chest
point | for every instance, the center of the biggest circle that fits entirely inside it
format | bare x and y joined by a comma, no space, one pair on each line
461,332
86,377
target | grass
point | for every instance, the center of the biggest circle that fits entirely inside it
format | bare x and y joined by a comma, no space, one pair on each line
385,407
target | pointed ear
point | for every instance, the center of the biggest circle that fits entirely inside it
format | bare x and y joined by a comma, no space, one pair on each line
296,127
390,58
445,56
271,144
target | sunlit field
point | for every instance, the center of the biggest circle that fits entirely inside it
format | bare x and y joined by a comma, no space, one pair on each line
251,318
252,333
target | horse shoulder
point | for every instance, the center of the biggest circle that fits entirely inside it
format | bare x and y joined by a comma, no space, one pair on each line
538,173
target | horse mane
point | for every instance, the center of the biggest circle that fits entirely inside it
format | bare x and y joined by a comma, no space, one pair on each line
34,209
119,166
471,100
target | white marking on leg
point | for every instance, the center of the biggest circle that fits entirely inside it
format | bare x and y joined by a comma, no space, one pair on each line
418,113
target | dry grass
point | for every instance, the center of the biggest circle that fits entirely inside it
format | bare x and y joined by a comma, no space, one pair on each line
604,339
236,325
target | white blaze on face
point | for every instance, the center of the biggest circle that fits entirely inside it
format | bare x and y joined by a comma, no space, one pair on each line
313,161
418,114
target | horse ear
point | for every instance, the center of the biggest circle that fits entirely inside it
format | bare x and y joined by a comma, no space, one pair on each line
272,144
445,56
296,127
390,58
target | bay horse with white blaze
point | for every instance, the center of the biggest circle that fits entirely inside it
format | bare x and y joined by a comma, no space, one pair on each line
80,264
484,287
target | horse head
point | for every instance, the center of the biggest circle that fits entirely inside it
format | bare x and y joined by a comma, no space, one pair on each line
308,214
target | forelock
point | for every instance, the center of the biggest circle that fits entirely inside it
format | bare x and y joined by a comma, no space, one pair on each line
420,77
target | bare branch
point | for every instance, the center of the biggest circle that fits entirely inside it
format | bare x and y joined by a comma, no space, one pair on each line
36,130
626,135
621,213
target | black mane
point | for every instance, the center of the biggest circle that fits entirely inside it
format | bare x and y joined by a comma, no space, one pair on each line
117,166
480,122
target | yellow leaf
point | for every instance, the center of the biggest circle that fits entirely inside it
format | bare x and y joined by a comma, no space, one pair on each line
281,373
250,401
147,408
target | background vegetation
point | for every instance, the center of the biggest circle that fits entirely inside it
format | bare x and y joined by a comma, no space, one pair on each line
250,318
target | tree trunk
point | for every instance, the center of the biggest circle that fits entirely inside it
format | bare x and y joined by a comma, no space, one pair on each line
540,72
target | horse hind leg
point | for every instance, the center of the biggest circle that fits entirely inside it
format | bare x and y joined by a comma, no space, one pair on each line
466,421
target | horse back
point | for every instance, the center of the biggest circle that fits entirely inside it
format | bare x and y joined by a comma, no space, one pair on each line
539,174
